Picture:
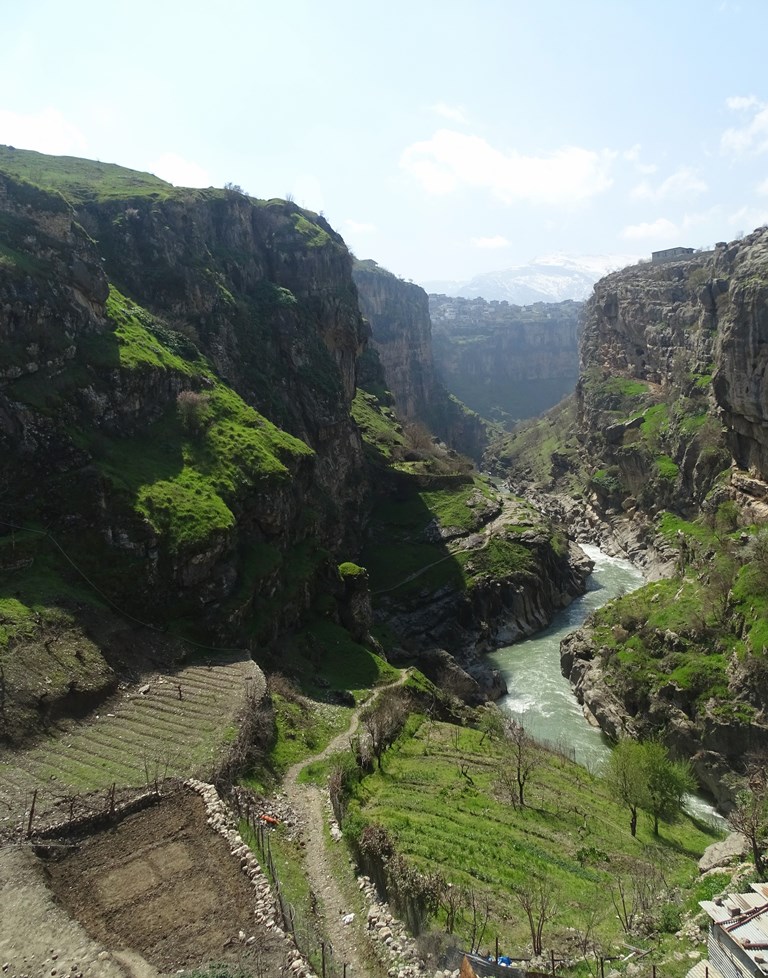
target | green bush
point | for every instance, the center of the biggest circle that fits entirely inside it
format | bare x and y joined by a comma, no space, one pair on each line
348,569
670,918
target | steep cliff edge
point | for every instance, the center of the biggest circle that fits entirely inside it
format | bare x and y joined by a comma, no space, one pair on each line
401,334
506,362
188,450
665,437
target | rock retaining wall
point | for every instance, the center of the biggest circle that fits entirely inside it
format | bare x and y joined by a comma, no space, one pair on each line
266,911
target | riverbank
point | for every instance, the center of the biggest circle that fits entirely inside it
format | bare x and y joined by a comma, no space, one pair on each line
539,695
552,709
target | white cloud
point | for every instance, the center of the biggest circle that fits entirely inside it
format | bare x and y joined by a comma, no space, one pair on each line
455,113
747,218
452,160
740,102
359,227
752,137
47,131
632,155
661,229
497,241
762,188
180,172
684,182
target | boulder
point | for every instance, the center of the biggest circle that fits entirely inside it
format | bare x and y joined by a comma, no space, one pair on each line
732,849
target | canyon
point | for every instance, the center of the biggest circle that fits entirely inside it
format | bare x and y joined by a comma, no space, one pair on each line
236,457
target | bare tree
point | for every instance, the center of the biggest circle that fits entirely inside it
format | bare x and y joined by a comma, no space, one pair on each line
750,814
520,762
756,554
537,897
384,720
452,904
194,411
721,578
590,916
479,908
635,890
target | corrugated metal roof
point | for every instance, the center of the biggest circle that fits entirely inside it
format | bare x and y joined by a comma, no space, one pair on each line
743,919
742,903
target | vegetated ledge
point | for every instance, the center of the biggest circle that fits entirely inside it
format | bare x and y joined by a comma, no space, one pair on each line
450,593
666,661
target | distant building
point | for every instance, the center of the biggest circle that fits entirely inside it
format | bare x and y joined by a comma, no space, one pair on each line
737,944
670,254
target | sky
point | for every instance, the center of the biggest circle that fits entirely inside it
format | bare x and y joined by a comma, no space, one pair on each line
440,138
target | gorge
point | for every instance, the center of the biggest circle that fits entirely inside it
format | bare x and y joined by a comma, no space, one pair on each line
240,522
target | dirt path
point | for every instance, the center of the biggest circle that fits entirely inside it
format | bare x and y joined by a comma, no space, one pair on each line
309,804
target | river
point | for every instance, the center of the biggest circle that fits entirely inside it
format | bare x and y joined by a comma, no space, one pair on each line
541,698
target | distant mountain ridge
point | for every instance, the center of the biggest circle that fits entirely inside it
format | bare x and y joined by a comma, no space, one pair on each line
551,278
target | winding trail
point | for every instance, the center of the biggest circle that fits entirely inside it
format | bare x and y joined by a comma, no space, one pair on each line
309,804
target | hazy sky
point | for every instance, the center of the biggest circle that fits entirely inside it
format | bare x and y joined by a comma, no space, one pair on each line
440,138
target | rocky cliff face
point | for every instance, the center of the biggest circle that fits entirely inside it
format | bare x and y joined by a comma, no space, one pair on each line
704,318
184,442
401,333
507,362
646,411
737,293
671,417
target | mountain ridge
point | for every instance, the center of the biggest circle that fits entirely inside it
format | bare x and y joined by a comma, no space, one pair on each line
549,278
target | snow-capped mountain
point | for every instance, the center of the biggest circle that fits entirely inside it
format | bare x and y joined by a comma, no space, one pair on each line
551,278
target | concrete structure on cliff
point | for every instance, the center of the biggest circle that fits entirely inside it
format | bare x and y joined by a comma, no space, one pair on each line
670,254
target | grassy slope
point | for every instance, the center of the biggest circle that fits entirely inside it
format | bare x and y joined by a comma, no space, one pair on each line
715,608
571,831
137,739
528,450
184,483
80,180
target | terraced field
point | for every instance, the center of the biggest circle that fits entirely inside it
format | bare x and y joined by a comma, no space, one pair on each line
170,725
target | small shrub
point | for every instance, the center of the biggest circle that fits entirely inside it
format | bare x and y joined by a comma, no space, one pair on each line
348,569
607,481
280,685
670,918
667,468
194,411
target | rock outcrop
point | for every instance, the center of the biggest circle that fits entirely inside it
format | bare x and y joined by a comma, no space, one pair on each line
447,624
665,443
686,341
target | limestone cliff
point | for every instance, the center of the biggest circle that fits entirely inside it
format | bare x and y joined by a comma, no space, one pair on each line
671,413
646,412
176,374
737,292
401,333
507,362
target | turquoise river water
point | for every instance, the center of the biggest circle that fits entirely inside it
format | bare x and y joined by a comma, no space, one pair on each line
542,699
